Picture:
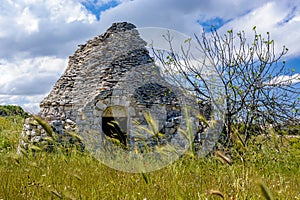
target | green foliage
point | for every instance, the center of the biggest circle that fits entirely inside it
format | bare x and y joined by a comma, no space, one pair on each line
265,167
265,190
10,129
11,110
294,142
45,126
288,130
50,176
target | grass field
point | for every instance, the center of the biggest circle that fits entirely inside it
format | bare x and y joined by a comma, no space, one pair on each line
267,168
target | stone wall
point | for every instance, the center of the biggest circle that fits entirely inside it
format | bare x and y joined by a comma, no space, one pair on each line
95,67
109,73
34,136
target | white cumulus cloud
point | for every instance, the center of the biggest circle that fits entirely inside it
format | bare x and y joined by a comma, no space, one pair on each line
280,19
37,36
30,76
285,80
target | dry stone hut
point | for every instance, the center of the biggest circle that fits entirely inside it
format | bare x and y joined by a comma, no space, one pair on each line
110,83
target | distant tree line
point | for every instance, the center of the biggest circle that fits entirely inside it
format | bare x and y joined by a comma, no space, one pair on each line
12,110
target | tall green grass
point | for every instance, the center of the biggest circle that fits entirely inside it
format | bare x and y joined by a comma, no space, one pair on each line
264,168
10,129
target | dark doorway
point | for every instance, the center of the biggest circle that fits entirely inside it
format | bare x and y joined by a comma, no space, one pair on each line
114,124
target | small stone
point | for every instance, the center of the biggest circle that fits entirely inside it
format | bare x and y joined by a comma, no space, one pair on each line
36,139
33,133
26,127
28,133
69,121
100,105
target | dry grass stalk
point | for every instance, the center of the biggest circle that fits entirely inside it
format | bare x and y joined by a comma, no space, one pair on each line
223,157
215,192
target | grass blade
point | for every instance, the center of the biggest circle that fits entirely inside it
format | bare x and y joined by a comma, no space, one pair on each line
265,191
145,178
216,192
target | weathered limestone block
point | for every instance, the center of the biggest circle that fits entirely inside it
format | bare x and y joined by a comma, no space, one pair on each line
34,137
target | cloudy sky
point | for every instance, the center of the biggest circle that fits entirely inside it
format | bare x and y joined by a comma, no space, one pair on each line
37,36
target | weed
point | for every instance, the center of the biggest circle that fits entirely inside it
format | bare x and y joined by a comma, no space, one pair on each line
80,176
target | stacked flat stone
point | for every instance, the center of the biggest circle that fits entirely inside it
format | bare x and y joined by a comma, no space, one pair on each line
34,136
95,67
112,72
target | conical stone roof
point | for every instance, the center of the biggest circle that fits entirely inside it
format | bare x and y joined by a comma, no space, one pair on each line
96,66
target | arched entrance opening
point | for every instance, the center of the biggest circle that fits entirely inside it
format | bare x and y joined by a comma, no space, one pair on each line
114,123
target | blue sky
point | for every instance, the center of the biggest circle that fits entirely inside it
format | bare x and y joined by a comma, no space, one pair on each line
37,36
96,7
